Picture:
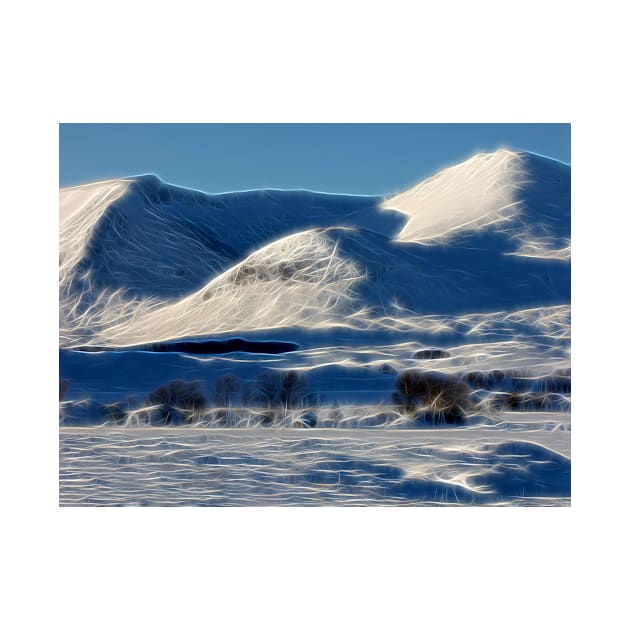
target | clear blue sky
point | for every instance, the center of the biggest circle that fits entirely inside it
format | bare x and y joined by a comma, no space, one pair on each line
348,158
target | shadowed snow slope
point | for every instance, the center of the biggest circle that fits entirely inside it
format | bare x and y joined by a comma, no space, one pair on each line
142,261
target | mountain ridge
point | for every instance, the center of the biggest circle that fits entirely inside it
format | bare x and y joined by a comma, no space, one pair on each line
138,256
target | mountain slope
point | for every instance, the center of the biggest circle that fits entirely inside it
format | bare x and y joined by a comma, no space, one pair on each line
142,261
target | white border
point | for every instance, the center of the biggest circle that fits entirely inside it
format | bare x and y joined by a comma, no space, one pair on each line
329,62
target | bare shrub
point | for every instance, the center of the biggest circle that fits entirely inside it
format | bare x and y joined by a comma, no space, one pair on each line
177,402
226,393
284,389
432,396
114,413
64,386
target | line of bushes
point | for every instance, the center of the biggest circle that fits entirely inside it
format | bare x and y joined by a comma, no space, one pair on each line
520,381
422,397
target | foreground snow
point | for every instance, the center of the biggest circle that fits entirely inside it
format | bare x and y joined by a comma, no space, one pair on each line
316,467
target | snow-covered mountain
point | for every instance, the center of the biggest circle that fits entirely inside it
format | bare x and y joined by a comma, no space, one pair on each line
142,261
